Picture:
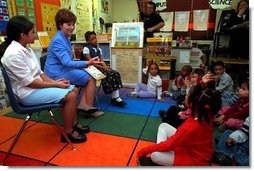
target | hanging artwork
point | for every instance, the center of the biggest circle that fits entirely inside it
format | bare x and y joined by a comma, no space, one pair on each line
182,20
168,20
83,11
48,12
104,6
200,20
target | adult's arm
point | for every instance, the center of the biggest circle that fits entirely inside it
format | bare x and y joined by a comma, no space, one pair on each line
66,59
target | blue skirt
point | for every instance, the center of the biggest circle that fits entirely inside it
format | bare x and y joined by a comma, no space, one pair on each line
75,76
46,95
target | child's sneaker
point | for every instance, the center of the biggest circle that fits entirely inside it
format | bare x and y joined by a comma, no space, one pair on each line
132,94
181,106
167,94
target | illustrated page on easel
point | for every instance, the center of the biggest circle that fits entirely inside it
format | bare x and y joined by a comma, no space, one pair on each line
128,62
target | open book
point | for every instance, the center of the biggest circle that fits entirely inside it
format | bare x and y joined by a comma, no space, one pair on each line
95,73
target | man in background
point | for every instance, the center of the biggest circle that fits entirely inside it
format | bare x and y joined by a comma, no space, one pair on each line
152,21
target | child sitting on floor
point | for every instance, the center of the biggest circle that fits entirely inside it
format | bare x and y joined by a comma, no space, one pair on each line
153,87
176,115
190,144
234,146
224,83
178,88
240,110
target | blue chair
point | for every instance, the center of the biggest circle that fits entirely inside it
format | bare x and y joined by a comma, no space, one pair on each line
28,110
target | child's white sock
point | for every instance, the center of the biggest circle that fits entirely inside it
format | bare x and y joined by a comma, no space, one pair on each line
115,95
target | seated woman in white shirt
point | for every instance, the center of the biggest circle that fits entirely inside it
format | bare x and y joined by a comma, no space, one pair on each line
31,85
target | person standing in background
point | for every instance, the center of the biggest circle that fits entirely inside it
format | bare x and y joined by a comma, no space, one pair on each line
239,31
152,21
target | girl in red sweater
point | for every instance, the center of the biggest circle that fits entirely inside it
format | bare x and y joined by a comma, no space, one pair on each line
238,112
190,144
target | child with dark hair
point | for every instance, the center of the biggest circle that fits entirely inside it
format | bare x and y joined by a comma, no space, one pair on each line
112,83
239,111
224,83
153,87
234,146
178,88
176,115
190,144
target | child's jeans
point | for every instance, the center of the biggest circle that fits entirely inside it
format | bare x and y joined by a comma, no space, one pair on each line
239,151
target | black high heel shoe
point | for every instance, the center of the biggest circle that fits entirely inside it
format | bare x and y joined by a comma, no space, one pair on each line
82,129
74,139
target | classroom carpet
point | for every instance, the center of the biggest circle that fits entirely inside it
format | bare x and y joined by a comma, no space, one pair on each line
114,139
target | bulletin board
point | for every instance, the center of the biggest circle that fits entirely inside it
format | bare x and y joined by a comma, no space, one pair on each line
48,18
39,13
4,18
83,11
128,62
26,8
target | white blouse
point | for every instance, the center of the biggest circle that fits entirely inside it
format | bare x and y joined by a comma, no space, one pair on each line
22,68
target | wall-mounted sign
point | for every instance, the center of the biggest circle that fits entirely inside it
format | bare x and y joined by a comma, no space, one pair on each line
220,4
160,4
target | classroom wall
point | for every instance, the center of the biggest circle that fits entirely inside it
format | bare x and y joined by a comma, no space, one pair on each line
125,10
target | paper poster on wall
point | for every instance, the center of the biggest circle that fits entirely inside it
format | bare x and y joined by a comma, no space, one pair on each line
4,18
128,62
48,12
182,21
128,34
168,20
200,20
83,11
184,56
104,6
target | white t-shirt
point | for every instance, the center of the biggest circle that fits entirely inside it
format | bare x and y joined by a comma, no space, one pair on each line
153,83
22,68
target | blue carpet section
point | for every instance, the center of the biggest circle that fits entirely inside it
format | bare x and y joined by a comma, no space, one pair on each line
161,106
101,93
139,107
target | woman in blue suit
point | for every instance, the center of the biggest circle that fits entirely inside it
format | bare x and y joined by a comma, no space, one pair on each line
60,62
